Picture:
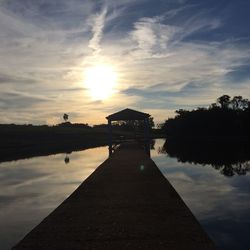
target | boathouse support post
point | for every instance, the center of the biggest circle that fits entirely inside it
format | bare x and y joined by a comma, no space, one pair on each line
147,135
110,139
146,122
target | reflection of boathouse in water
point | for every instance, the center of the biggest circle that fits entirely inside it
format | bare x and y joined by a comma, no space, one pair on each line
131,116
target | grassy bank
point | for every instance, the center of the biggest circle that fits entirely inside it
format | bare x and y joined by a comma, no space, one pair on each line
23,141
20,141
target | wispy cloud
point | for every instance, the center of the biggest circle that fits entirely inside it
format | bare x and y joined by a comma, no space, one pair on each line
167,54
97,24
151,36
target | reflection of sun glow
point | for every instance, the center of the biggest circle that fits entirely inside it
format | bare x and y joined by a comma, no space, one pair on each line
100,81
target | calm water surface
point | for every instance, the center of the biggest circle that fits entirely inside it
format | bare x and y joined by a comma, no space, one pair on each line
30,189
221,203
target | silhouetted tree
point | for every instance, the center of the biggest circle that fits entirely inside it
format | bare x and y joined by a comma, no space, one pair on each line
224,101
213,106
238,103
151,122
65,117
181,112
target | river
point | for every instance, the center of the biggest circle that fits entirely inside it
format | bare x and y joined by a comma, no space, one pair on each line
30,189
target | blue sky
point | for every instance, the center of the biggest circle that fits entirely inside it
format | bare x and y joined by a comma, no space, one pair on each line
167,54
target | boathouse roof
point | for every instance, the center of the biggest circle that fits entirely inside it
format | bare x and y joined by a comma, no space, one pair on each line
127,114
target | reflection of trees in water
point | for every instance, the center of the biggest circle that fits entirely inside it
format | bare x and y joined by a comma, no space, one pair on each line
66,159
229,158
237,168
152,144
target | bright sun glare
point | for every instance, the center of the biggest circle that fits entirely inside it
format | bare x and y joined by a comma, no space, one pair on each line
100,81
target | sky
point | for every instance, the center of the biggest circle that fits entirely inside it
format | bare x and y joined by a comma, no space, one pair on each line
164,55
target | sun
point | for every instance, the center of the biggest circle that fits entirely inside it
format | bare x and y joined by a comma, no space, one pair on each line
100,80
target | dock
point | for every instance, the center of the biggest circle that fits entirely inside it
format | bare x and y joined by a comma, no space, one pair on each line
126,203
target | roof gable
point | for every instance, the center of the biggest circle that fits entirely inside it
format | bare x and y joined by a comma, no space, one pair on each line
127,114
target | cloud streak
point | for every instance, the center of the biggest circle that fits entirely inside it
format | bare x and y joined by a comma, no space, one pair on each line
167,55
97,25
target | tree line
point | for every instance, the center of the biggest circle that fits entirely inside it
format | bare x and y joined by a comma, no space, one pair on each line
226,117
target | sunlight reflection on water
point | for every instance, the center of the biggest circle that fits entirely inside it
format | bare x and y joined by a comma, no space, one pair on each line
30,189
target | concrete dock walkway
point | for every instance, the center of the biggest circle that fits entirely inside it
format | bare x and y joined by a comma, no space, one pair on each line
125,204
